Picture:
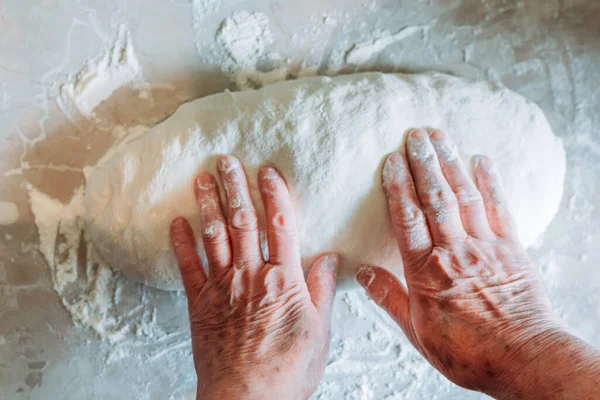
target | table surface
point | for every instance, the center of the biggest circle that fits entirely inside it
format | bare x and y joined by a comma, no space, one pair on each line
546,50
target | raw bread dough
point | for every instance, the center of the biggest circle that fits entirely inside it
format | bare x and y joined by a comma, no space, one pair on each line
329,137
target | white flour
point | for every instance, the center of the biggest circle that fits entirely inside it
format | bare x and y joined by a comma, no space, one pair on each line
362,52
246,37
101,77
203,8
246,54
88,288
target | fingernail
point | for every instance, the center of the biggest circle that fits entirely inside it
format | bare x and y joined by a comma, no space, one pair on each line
205,181
179,231
437,135
445,147
365,276
417,134
331,262
269,172
226,163
178,223
270,179
483,162
393,169
417,145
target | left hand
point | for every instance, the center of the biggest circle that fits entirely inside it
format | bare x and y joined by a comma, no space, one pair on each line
259,330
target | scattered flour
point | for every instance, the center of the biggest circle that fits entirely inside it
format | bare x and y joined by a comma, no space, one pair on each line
362,52
9,213
101,77
246,37
247,41
86,297
88,288
203,8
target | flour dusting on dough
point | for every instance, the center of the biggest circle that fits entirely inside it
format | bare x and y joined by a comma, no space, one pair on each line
328,137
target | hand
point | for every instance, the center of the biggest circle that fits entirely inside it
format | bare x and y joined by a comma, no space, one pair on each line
259,330
474,307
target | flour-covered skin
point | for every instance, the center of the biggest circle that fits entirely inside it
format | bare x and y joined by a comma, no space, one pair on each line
473,305
259,329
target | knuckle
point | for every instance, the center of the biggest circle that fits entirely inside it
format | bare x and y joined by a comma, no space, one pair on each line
182,241
272,186
280,258
416,256
179,242
465,192
428,158
282,222
408,216
274,280
244,220
207,204
179,232
382,296
243,264
283,233
187,265
393,188
439,196
215,232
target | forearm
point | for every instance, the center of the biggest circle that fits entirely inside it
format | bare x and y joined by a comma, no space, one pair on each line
560,366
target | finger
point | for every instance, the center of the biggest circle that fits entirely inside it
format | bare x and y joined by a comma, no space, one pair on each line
282,236
241,215
321,284
388,292
435,196
214,227
470,203
190,266
496,207
407,217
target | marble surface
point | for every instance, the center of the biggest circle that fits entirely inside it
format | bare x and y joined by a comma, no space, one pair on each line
547,50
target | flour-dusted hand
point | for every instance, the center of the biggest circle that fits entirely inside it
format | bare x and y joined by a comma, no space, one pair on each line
473,305
259,330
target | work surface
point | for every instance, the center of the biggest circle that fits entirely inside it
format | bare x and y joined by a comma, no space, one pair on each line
146,57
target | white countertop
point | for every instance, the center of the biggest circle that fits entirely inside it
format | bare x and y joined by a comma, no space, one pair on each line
548,51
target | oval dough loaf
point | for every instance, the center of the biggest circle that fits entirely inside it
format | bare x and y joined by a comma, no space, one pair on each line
329,137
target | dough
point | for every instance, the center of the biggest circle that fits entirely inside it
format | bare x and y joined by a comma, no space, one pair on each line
329,138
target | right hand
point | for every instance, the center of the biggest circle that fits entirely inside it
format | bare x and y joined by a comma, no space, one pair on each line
475,307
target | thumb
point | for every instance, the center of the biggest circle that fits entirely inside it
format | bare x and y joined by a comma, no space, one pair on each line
321,283
388,292
190,265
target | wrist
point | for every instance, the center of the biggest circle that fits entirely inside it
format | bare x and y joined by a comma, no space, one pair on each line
235,389
545,363
228,389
